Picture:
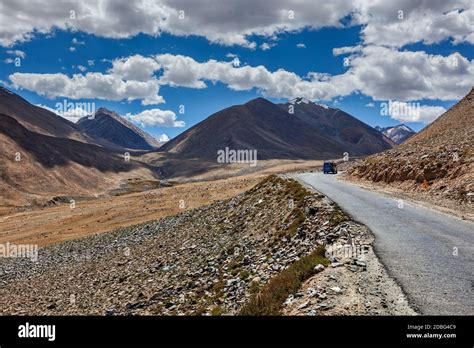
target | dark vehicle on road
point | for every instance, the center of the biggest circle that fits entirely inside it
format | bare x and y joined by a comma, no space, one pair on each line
329,167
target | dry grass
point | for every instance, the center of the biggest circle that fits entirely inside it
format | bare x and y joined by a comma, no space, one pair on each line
270,299
44,226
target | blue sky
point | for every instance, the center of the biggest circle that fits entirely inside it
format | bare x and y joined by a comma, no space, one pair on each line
374,73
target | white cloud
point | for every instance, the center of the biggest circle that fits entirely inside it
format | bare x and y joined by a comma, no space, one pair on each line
72,49
156,117
379,72
75,113
48,108
235,22
179,71
17,53
89,86
419,21
229,23
82,68
236,62
72,115
412,112
301,45
370,105
265,46
345,50
428,114
384,73
77,42
163,138
90,62
136,68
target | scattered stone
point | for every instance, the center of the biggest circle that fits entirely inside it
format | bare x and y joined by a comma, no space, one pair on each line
303,305
289,300
319,267
223,255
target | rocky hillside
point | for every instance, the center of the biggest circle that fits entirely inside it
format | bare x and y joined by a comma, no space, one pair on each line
398,134
354,135
44,156
245,255
439,160
110,128
307,131
37,119
35,167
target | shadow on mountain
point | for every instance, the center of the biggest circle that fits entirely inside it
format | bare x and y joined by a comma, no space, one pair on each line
308,132
52,151
172,165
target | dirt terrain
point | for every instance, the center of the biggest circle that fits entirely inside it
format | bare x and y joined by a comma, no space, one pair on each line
212,260
421,196
32,174
436,165
350,287
60,222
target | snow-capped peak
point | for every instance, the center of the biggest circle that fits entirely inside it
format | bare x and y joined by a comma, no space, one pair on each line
303,100
406,128
323,106
398,134
299,100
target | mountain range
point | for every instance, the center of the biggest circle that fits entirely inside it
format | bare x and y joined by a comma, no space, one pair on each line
38,119
45,155
111,128
299,129
398,134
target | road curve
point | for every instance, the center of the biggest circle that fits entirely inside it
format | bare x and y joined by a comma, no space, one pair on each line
430,254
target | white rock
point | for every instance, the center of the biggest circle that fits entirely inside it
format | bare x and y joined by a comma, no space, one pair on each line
319,267
289,300
303,305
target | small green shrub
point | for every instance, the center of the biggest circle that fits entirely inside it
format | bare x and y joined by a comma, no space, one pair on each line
270,299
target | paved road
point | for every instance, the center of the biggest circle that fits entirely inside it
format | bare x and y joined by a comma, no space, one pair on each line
416,244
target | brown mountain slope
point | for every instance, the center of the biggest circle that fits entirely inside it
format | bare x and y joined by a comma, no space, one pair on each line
455,126
49,166
108,126
357,137
439,160
37,119
277,134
